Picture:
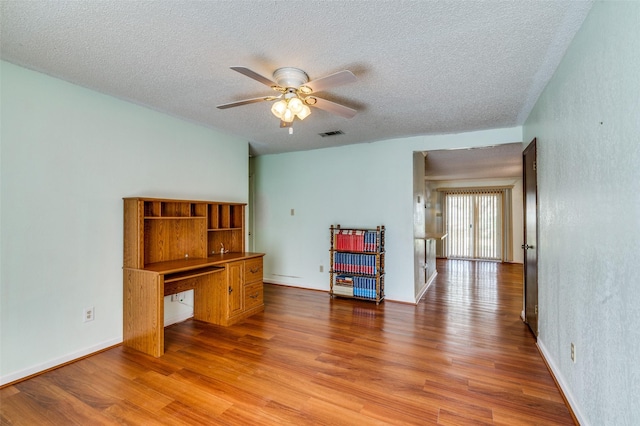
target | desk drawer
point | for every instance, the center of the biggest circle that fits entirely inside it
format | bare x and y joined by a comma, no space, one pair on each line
253,295
253,270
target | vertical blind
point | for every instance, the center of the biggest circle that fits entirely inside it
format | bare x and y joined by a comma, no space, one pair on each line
474,223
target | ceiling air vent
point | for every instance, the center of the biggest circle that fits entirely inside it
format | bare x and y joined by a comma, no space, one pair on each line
334,133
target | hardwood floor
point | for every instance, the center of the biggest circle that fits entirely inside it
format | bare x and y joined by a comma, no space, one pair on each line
461,356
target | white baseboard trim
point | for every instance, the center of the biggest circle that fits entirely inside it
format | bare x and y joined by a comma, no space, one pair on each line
18,375
279,283
284,284
563,384
424,289
178,318
12,377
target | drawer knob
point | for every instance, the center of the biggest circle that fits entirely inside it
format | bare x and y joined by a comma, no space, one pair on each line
254,270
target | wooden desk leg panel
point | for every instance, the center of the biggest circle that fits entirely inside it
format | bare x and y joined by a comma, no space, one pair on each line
143,325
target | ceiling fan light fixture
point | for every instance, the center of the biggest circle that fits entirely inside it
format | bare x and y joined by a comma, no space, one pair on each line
288,116
279,108
291,107
295,105
304,113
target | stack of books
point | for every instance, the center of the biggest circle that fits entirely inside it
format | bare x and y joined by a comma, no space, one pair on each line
355,263
364,287
356,240
343,285
350,240
370,241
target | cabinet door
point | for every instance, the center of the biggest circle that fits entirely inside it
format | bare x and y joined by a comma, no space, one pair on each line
236,281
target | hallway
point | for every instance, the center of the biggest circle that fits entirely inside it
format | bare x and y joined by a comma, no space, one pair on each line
474,309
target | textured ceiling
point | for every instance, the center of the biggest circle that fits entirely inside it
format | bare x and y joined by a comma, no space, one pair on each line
423,67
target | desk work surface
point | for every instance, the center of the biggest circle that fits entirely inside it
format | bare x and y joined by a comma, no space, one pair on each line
189,264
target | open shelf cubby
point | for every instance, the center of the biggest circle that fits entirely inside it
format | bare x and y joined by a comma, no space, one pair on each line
156,209
225,216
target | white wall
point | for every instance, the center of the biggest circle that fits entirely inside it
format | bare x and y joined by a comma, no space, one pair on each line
68,157
587,124
358,185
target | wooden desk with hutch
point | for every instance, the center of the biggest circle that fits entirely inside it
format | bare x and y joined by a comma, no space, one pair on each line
172,246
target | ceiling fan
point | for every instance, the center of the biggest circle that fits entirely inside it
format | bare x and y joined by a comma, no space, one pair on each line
297,93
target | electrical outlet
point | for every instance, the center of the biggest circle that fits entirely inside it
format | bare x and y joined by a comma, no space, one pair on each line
573,352
88,314
178,297
321,268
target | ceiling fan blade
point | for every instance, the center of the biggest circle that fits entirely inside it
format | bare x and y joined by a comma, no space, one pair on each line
247,101
284,124
254,75
331,107
333,80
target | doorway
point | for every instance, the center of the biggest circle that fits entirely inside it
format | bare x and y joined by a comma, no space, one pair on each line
490,167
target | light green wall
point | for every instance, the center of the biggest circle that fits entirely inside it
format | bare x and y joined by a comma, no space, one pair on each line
68,156
357,185
587,125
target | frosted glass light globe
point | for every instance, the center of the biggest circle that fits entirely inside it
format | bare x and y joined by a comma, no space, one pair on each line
304,113
295,105
287,116
278,108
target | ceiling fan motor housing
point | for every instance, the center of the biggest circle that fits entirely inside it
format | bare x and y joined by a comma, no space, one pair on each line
290,77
